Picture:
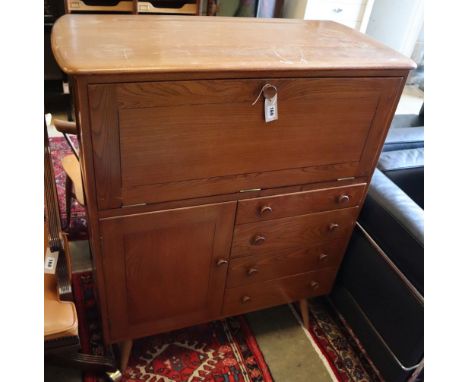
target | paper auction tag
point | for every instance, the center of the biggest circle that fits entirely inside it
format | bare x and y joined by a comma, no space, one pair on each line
50,262
271,108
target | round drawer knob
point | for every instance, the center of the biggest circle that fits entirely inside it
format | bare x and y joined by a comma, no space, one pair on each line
337,10
258,240
323,257
314,284
333,227
264,210
252,271
343,198
221,262
245,299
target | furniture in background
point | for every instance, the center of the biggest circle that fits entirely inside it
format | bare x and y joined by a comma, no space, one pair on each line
61,337
71,166
56,96
352,13
198,207
180,7
379,289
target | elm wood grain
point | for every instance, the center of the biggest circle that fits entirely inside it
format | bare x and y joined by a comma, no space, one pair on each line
247,298
329,51
222,185
237,74
113,44
161,269
253,269
299,203
138,209
82,116
105,134
282,235
231,135
148,150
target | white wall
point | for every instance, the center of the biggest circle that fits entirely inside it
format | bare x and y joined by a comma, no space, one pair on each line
396,23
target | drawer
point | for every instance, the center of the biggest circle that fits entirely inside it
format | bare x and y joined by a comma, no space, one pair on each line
162,141
339,11
300,203
253,269
281,235
247,298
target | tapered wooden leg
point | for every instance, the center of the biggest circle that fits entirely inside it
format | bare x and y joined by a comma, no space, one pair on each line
68,202
304,312
125,350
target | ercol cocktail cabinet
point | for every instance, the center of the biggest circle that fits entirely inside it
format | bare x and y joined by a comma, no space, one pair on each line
224,160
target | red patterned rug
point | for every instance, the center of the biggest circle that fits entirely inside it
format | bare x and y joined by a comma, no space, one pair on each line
78,229
344,354
219,351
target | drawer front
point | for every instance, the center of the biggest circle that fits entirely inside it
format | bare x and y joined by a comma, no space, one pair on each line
253,269
339,11
247,298
281,235
300,203
162,141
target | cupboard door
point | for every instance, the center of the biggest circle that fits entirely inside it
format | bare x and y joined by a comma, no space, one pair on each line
162,270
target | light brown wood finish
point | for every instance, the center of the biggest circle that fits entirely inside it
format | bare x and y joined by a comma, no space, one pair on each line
71,166
250,297
300,203
149,128
168,122
281,235
96,44
163,269
281,263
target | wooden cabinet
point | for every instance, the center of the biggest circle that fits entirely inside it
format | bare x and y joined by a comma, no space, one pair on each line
165,268
198,208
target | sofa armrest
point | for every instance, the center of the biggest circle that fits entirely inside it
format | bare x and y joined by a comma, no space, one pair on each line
396,223
400,138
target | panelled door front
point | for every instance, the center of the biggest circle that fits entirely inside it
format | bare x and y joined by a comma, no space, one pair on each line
165,270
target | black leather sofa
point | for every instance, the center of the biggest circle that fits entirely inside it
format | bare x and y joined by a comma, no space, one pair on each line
380,287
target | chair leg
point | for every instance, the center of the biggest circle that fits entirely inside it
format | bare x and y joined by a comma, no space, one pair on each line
125,351
304,312
68,200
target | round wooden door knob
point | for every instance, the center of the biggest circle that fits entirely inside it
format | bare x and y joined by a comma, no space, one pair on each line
333,227
258,239
264,210
343,198
314,284
245,299
221,262
252,271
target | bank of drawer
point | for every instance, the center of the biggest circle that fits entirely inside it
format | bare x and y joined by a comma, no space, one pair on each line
279,291
299,203
253,269
281,235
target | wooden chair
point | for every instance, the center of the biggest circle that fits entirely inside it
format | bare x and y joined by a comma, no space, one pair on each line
61,339
71,166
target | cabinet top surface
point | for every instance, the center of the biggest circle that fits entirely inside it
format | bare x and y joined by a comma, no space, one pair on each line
112,44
